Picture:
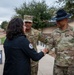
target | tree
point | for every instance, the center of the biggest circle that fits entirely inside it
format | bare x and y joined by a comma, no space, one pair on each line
39,11
4,25
68,5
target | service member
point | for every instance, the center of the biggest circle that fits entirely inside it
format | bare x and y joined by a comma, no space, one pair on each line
62,40
33,36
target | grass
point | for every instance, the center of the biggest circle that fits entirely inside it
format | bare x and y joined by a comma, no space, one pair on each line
2,40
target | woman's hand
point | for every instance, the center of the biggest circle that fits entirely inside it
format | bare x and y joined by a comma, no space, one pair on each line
45,51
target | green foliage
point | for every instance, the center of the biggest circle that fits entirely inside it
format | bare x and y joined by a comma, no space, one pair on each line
4,25
2,40
68,6
39,11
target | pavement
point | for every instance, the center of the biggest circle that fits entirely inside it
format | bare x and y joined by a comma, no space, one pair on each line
45,64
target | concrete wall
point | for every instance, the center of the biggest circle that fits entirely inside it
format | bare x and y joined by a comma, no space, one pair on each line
48,30
71,24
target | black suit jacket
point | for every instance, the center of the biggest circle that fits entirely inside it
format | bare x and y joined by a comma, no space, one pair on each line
17,56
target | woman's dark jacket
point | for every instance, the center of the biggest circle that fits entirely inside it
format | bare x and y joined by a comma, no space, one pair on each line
17,56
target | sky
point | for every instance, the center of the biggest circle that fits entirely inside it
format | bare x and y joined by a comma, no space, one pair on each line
7,7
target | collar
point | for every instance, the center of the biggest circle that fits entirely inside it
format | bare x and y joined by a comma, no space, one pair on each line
68,29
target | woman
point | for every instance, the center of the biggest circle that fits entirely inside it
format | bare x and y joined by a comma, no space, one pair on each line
18,50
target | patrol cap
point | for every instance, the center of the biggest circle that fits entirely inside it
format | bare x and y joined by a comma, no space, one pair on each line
28,18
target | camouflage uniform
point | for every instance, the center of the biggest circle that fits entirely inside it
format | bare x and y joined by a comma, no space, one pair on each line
63,42
34,36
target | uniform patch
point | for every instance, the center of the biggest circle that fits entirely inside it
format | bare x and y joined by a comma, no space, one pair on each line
30,46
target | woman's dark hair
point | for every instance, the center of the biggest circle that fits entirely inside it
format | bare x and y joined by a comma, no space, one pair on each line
15,28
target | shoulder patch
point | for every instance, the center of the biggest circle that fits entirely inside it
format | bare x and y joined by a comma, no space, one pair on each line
30,46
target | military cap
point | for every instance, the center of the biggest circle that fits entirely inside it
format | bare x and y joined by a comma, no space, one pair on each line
61,14
28,18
